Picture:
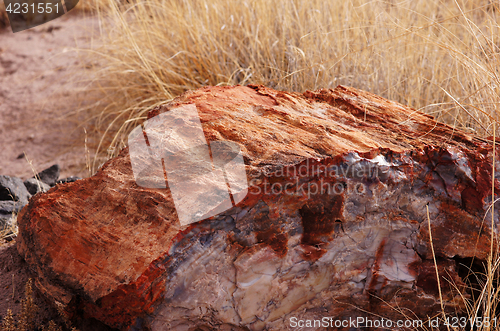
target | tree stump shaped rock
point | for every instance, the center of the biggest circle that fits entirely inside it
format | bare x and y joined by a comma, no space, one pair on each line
341,187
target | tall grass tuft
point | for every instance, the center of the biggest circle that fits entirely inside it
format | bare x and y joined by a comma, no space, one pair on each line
442,57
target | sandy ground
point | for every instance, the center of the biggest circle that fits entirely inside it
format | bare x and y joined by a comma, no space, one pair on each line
37,75
37,80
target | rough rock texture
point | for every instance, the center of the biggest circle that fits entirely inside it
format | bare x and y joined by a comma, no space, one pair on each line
12,189
7,223
334,224
35,186
70,179
13,197
50,175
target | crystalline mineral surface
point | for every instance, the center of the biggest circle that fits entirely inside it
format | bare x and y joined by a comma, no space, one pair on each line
341,187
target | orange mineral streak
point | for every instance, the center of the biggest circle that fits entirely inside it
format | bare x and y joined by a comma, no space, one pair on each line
81,240
100,244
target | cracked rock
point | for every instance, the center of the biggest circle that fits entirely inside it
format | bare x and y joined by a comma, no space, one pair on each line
342,185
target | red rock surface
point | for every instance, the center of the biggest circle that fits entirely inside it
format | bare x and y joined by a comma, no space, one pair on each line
107,248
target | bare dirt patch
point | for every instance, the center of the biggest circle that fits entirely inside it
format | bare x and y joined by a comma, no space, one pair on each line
37,77
37,83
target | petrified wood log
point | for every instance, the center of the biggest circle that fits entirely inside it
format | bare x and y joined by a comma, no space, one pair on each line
334,223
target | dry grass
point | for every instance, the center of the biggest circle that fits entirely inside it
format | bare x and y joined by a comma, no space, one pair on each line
88,6
10,230
27,315
442,57
483,307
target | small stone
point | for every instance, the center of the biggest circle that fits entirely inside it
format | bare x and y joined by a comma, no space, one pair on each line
13,189
50,175
3,219
35,186
68,180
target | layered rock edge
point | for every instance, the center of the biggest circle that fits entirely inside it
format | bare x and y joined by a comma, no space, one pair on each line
334,224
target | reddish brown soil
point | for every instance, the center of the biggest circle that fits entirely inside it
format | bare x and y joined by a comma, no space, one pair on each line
13,277
14,274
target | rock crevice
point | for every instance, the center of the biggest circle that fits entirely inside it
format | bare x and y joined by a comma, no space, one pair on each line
334,222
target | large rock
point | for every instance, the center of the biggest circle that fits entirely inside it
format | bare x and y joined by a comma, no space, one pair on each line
13,197
334,223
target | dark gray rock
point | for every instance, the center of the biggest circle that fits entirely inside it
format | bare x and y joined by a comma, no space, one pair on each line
13,197
11,207
68,180
34,186
50,175
8,216
7,226
13,189
6,220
